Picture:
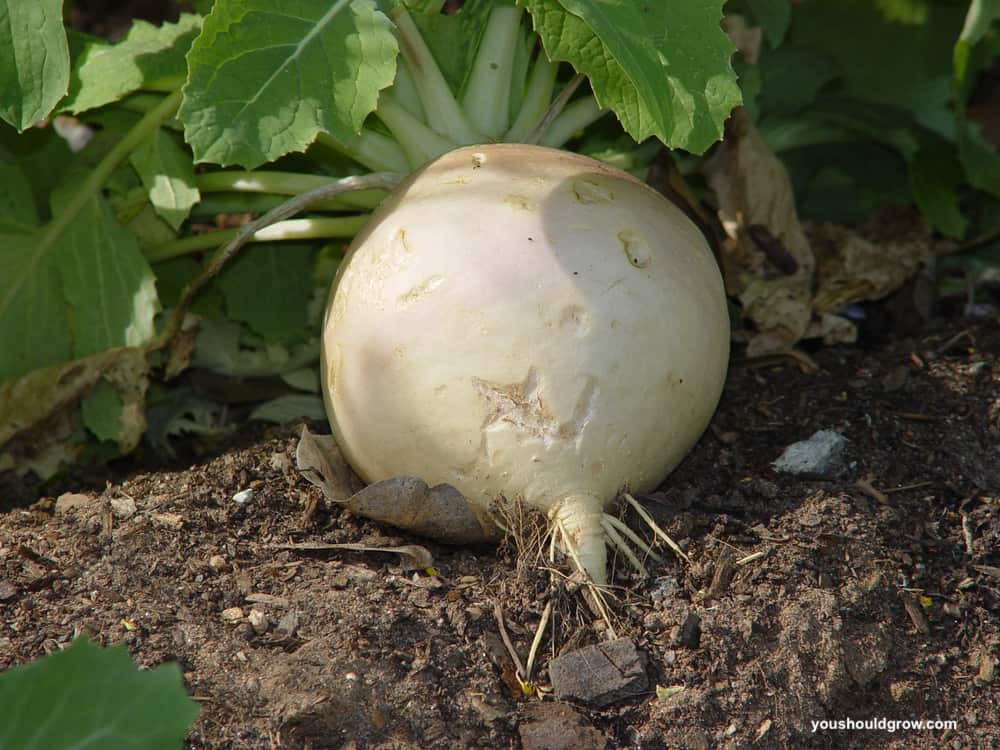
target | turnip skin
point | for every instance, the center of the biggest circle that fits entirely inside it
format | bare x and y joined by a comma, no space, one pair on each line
522,321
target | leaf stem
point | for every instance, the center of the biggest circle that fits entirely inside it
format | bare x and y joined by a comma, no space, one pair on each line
376,180
487,93
369,149
98,176
290,229
443,113
554,109
405,90
536,99
283,183
419,142
576,116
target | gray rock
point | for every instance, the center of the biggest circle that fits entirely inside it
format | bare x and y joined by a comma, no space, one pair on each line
688,632
822,455
556,726
600,674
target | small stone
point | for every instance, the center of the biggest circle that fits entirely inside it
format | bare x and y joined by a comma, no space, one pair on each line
821,456
258,620
688,633
218,563
557,726
243,496
600,674
232,615
7,590
70,501
288,623
122,506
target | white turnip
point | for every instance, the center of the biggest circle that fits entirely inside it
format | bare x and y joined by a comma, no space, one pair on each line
526,322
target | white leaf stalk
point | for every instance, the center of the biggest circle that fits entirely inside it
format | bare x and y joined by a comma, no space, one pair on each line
507,98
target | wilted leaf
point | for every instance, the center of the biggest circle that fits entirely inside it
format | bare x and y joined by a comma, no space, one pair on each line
753,190
33,406
412,556
441,512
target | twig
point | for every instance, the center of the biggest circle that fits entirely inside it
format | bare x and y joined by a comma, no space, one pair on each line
498,613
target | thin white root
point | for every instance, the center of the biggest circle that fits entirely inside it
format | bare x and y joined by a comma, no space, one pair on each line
530,666
656,529
596,598
615,540
633,537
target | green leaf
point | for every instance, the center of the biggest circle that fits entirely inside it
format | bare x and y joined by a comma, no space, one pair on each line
17,205
791,76
42,156
90,698
662,67
168,176
880,61
75,292
101,410
935,179
980,158
268,287
266,78
773,16
978,20
34,60
147,55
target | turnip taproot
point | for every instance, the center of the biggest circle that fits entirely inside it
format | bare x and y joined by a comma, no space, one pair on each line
520,321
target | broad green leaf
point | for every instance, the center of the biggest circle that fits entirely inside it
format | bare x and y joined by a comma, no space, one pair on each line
662,67
34,60
290,408
168,176
42,156
935,179
268,287
33,328
880,61
266,78
773,16
101,410
17,204
87,697
791,76
147,55
64,295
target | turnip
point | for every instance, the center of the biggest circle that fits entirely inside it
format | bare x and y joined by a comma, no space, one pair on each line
524,322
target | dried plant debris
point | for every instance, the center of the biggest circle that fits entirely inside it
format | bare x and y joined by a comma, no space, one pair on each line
440,513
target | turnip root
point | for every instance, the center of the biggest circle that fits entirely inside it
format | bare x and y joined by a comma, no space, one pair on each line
524,322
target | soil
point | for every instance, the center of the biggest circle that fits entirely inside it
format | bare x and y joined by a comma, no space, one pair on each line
869,595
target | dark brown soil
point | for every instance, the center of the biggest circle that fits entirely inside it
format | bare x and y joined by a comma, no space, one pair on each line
871,599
